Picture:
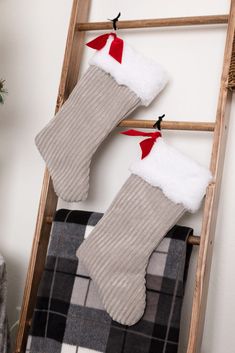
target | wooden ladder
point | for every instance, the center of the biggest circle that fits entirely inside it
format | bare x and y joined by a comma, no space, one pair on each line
48,202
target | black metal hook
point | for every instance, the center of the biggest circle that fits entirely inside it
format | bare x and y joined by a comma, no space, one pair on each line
158,122
114,21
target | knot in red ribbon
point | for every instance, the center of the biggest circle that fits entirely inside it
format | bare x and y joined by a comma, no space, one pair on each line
116,47
147,144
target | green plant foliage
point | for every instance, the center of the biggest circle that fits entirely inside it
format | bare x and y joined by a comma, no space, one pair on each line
3,91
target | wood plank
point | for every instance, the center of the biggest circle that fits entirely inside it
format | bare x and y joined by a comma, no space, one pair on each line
212,198
154,22
192,239
168,125
48,201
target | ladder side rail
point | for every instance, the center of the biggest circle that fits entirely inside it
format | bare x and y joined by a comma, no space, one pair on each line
48,200
212,197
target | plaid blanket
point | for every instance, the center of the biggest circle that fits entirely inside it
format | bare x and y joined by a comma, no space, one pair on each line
69,316
4,329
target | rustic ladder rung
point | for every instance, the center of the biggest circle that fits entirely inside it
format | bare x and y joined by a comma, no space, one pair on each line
192,239
155,22
169,125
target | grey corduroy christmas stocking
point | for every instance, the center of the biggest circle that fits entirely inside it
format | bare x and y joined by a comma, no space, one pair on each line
161,188
109,91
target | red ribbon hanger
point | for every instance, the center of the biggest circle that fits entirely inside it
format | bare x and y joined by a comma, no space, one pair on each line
116,47
147,144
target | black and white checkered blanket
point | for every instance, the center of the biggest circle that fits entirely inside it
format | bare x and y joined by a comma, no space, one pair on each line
69,317
4,328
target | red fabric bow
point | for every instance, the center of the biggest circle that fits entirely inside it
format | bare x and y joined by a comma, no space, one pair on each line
147,144
116,47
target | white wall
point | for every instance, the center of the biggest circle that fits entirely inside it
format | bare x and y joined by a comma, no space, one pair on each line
32,44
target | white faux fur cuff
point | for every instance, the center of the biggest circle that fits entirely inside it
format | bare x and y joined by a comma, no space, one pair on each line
142,75
180,178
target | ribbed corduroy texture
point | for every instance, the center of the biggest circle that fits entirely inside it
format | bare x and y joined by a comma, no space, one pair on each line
68,142
117,251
